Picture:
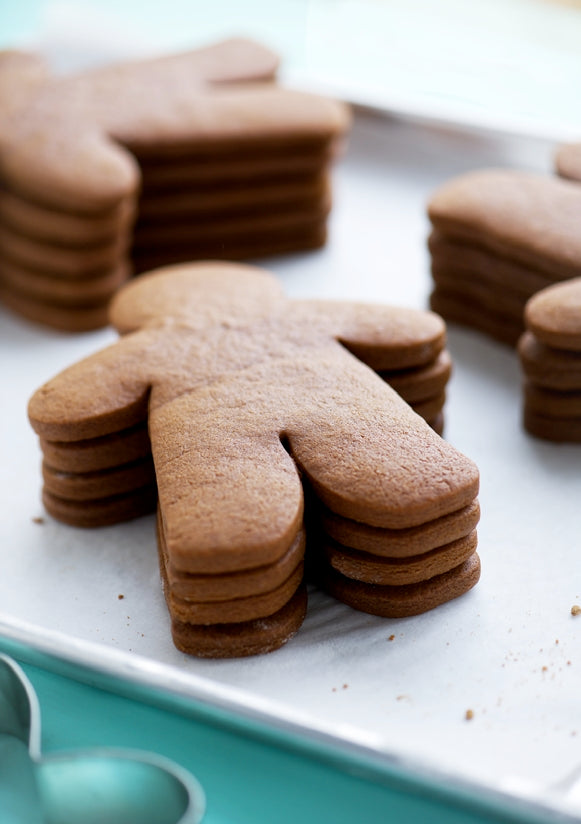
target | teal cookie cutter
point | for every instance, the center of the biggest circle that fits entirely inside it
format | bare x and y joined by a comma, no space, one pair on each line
92,786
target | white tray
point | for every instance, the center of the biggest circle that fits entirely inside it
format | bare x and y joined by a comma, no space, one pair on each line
509,650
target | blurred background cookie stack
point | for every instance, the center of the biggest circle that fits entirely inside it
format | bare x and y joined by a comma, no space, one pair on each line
59,258
550,355
498,236
128,167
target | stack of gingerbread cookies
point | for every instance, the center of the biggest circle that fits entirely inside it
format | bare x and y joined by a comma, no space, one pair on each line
101,480
498,236
274,438
397,570
119,169
423,386
550,355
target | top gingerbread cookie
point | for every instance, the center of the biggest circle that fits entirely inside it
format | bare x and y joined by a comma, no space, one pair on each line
138,165
235,379
71,139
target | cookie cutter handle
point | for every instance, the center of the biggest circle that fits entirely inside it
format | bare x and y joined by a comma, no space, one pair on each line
118,787
19,745
19,707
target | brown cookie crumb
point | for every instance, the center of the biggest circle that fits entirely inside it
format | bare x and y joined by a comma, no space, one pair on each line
575,609
38,519
469,715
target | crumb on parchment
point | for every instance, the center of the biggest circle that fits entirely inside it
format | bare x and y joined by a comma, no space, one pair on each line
575,609
469,715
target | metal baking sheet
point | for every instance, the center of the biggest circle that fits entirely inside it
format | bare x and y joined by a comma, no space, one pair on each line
509,651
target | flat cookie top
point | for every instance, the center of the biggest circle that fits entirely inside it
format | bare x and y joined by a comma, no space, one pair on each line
244,389
554,315
529,217
72,133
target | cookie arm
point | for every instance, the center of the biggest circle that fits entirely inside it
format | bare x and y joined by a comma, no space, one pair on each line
82,170
383,337
102,394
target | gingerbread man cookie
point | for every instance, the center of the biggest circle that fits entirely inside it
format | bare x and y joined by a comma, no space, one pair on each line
268,417
193,156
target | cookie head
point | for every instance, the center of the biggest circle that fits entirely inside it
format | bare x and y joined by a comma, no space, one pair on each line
203,296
